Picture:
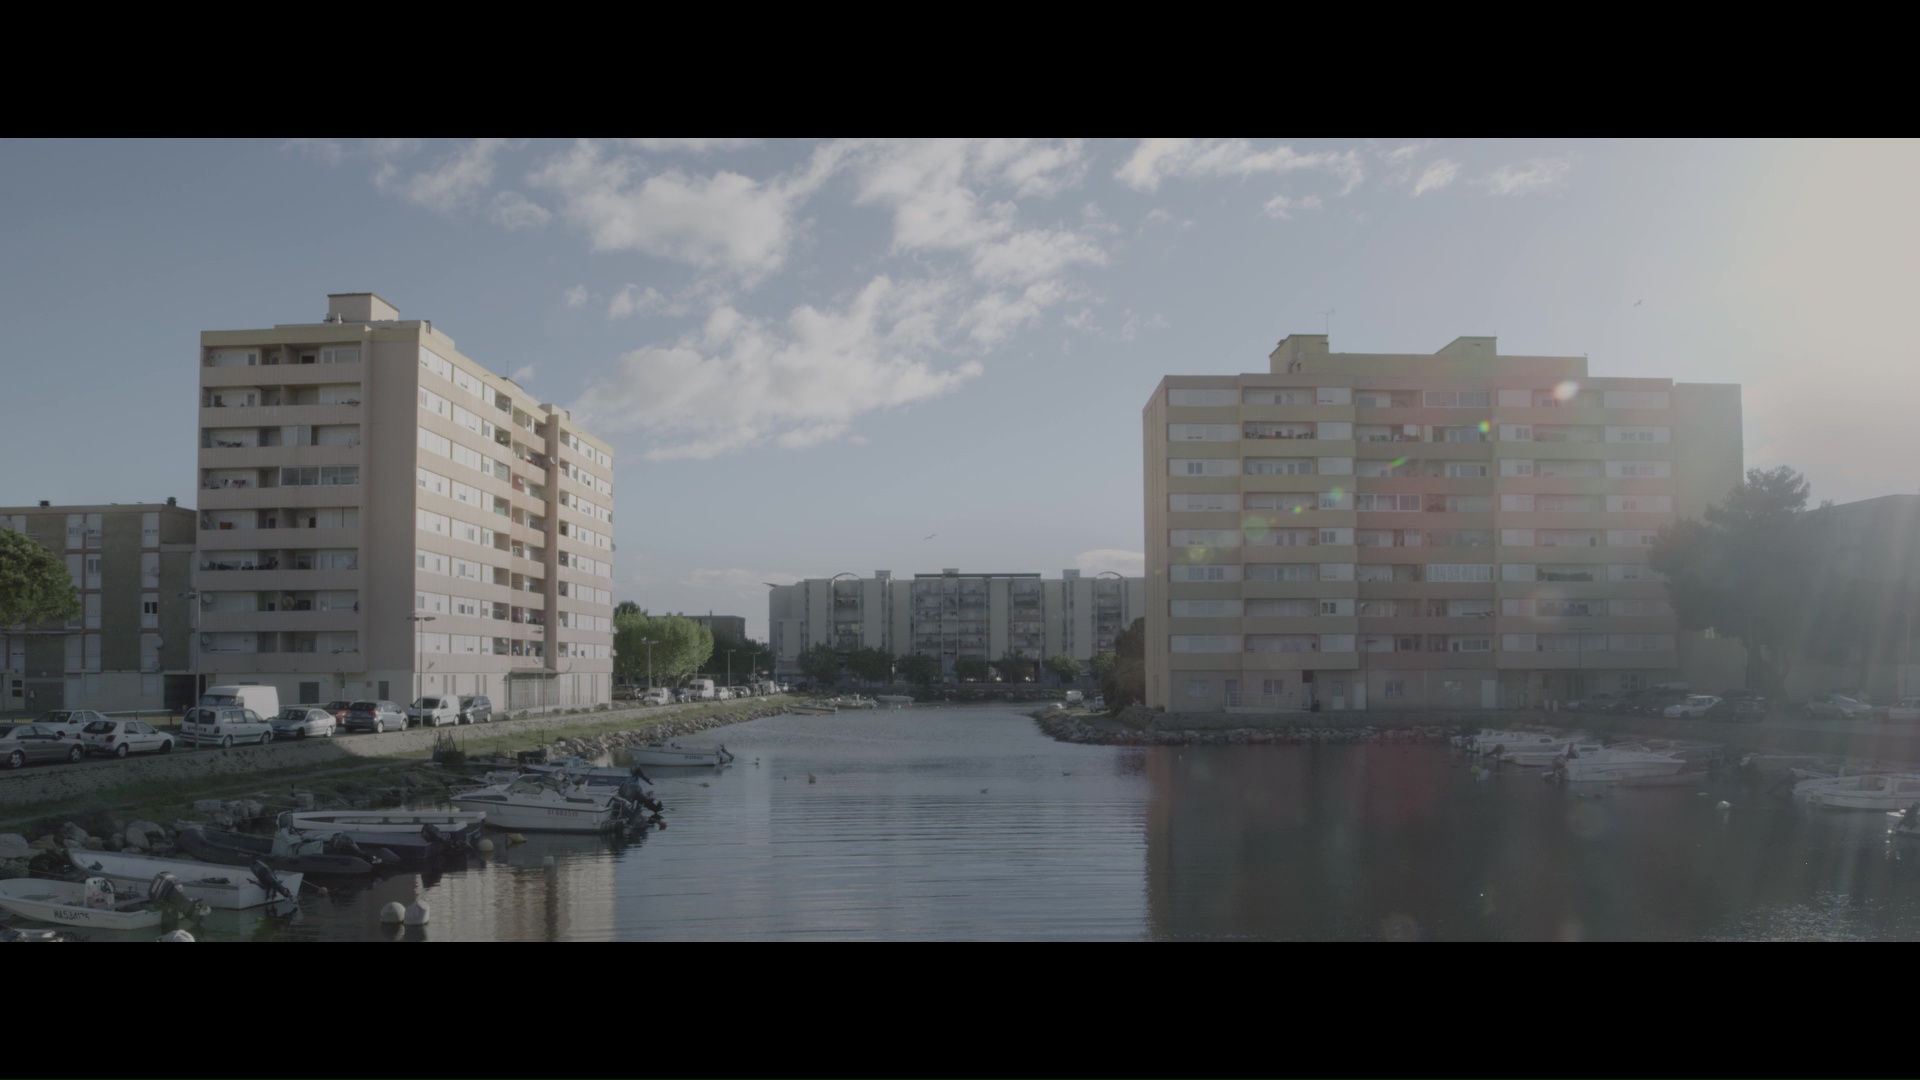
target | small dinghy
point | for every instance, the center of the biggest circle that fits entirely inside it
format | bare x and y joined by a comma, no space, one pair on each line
336,855
583,771
660,755
96,904
453,823
216,886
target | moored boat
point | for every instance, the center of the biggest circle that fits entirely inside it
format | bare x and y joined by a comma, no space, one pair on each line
216,886
585,772
1875,791
452,823
94,903
1608,764
307,856
543,803
659,755
1538,751
812,710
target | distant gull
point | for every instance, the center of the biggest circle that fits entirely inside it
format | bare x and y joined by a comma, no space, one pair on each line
929,536
1637,303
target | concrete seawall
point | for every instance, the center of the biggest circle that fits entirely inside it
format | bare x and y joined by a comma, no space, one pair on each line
54,783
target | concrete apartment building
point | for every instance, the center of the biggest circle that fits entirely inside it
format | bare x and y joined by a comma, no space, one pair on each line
1461,529
130,646
953,615
723,626
376,506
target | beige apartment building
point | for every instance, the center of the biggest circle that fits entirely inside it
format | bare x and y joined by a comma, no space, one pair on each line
953,615
378,511
1455,530
129,647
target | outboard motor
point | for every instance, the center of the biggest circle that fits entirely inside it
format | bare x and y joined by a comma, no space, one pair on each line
725,755
342,844
263,874
434,836
641,776
165,888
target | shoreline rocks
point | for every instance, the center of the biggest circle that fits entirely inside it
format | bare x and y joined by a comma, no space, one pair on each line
1074,728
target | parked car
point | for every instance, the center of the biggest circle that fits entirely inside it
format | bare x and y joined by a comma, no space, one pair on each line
1739,704
1904,709
1076,697
659,695
122,737
338,710
724,693
1837,707
433,711
1695,707
68,723
224,725
1654,702
301,721
21,743
375,716
476,709
1593,703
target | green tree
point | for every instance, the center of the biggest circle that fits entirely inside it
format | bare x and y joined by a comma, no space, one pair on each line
1065,667
1014,668
34,584
970,669
1102,665
821,664
1125,679
680,646
1745,572
747,656
871,664
921,668
625,607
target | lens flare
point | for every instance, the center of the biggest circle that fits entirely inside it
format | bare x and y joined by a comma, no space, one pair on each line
1566,390
1397,462
1337,492
1485,427
1298,508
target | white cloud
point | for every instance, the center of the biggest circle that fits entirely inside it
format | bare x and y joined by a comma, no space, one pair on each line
521,374
634,300
697,146
1534,175
1436,176
723,221
1280,205
1122,562
1162,216
740,381
1157,159
577,296
449,186
512,210
1404,154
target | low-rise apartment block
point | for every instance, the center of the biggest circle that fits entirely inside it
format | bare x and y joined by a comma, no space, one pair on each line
1461,529
130,645
379,512
953,615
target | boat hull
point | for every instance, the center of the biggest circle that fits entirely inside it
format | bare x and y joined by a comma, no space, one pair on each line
62,903
663,759
226,888
406,822
1610,771
207,847
539,818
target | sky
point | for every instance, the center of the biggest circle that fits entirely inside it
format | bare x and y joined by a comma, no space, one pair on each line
846,356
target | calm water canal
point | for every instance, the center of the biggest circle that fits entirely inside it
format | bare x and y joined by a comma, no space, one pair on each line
952,823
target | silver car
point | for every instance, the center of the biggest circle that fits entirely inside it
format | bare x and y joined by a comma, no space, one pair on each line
21,743
68,722
300,721
122,737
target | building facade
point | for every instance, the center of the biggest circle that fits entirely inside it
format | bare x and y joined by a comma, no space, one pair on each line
953,615
130,646
733,627
378,512
1455,530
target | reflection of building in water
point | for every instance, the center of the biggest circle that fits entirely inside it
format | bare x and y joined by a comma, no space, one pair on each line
513,897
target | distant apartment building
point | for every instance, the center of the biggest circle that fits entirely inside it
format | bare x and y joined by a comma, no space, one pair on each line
723,626
953,615
130,645
1870,568
1461,529
378,511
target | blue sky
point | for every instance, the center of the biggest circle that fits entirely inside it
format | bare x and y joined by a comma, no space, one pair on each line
812,356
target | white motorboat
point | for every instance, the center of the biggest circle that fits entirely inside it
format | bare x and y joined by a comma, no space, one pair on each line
399,822
1484,741
1608,764
586,772
1875,791
230,888
93,903
540,803
660,755
1535,750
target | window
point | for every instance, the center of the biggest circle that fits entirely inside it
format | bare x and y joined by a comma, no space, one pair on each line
1640,504
1336,642
1260,537
1453,688
1515,467
1387,503
1516,503
1393,689
92,605
1639,607
1336,571
1202,467
1198,688
435,444
1459,572
1282,572
1200,502
1334,429
1516,537
1205,537
1279,466
1290,502
429,562
1280,609
1633,572
1336,536
1633,680
1204,573
1516,433
1205,609
1282,643
1466,468
1639,434
93,571
1335,466
1636,399
1640,642
1336,500
1191,396
1458,399
1202,432
1660,470
1206,643
1336,607
150,610
1279,397
1631,537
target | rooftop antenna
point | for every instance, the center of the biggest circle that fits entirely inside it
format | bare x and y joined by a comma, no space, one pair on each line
1329,313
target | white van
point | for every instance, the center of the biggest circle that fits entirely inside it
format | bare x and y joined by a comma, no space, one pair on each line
702,689
264,700
659,695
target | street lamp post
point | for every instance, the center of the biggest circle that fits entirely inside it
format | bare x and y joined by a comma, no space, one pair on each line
729,653
1366,692
648,642
419,658
193,642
